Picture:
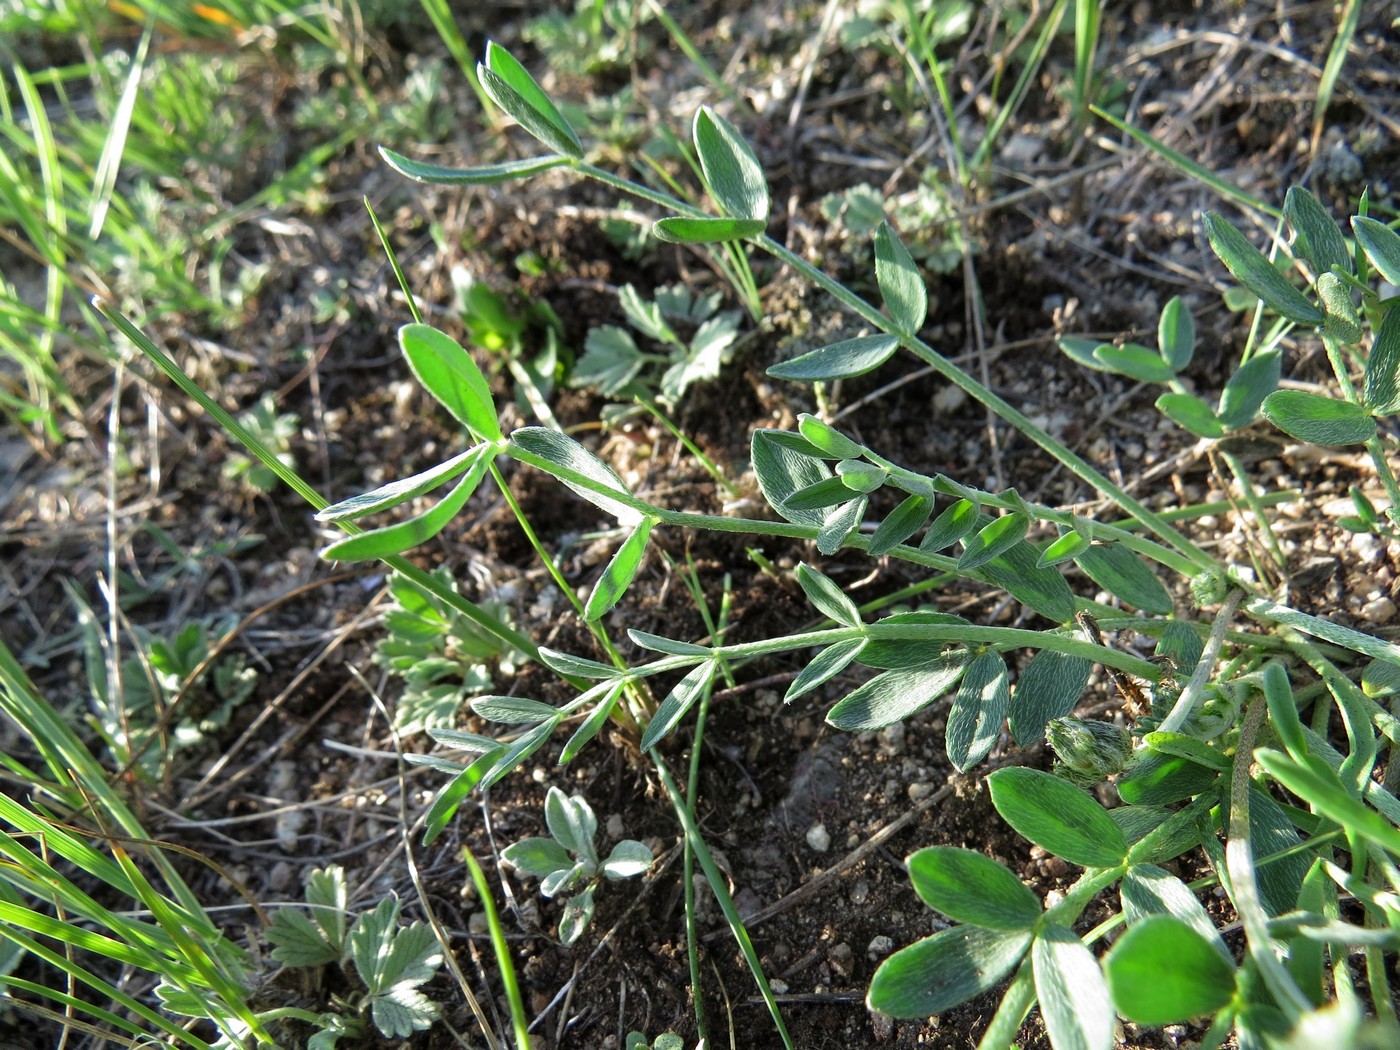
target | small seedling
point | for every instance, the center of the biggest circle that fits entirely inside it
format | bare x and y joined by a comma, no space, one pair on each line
390,961
616,367
569,860
275,430
442,656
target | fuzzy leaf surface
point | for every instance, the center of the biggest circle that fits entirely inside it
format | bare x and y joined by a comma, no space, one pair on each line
1049,687
1319,419
1383,367
1317,237
950,526
1074,999
782,470
627,859
1191,413
939,972
678,701
731,170
993,540
1381,245
1057,816
401,491
969,887
823,667
1123,573
563,452
1148,890
1039,589
829,599
838,524
1253,270
901,286
843,360
979,708
1245,391
894,696
905,520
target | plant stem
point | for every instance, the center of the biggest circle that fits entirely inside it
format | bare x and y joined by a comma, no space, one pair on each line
502,951
1015,1004
1190,696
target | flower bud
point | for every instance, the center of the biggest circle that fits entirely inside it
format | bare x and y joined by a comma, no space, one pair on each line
1088,751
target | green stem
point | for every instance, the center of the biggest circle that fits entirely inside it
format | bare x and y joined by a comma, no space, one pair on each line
1015,1004
502,950
721,892
1190,696
1244,888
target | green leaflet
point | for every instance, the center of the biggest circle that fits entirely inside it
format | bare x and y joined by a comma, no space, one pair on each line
1135,361
1039,589
1176,334
1191,413
1245,391
825,666
782,470
952,525
678,701
1317,237
838,524
969,887
844,360
1123,573
401,491
1319,419
512,88
448,372
394,539
902,288
895,695
1057,816
978,710
1148,890
1383,367
1049,687
1073,994
829,599
485,175
1381,245
1163,971
681,229
619,572
1253,270
993,539
905,520
939,972
732,172
580,470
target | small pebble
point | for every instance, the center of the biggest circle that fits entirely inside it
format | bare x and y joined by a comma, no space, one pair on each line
879,946
1379,610
882,1025
779,987
280,877
919,791
860,892
842,959
477,925
819,838
892,738
615,827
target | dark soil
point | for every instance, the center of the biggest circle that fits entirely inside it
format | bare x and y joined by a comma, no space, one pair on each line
785,802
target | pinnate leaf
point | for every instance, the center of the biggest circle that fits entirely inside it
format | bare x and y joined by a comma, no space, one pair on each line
1057,816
